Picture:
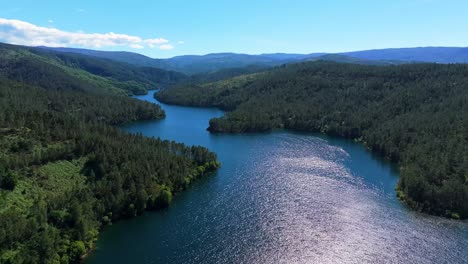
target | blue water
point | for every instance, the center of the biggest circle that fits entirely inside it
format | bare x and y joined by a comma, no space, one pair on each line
280,197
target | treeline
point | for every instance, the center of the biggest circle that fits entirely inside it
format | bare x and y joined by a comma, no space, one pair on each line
65,172
416,115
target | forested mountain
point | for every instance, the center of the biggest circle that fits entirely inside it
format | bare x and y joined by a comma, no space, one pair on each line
122,56
210,67
224,74
70,71
198,65
195,64
414,114
150,77
424,54
218,61
348,59
64,170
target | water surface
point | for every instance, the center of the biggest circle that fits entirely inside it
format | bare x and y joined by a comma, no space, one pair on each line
280,197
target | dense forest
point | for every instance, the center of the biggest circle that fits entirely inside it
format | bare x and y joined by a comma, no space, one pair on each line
36,66
65,171
416,115
222,74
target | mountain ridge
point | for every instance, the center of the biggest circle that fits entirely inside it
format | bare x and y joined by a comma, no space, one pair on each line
196,64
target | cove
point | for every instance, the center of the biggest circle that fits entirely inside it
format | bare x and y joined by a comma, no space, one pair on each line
280,197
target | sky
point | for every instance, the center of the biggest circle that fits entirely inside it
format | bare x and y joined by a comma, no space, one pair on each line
166,28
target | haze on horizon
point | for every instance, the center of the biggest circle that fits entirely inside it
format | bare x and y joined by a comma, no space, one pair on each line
164,29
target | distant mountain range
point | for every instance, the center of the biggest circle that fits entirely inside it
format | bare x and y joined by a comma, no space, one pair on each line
196,64
426,54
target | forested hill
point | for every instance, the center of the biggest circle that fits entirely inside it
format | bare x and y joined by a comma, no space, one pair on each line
121,56
415,114
224,74
65,171
71,71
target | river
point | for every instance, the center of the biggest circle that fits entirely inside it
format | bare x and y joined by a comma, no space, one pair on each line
280,197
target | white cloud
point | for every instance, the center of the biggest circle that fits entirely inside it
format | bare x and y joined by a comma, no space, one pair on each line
166,47
154,42
180,42
24,33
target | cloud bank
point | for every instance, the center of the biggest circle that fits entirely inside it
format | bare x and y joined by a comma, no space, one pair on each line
24,33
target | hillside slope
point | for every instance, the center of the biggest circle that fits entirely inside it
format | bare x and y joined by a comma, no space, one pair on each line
65,170
121,56
70,71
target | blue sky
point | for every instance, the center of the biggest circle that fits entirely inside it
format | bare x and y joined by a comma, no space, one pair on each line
174,27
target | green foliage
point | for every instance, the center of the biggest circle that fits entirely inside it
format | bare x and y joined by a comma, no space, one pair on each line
69,71
9,257
223,74
77,249
416,115
455,216
164,198
65,170
132,78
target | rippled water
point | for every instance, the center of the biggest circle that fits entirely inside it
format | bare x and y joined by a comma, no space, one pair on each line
281,197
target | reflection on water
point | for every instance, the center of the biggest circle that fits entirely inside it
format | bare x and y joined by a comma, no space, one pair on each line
281,197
